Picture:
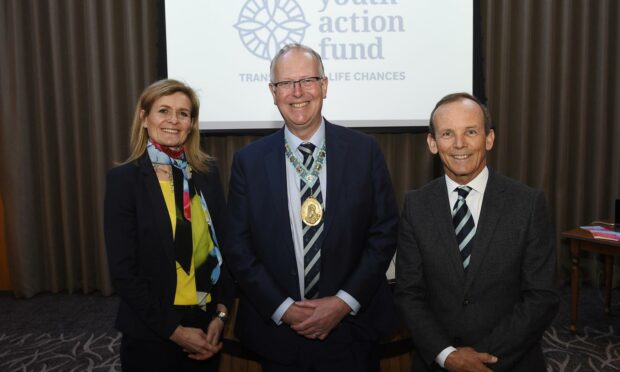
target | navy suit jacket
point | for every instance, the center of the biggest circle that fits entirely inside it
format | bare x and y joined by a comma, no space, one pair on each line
358,240
507,298
140,247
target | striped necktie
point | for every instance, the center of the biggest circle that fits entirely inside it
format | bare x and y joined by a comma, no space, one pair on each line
311,234
464,226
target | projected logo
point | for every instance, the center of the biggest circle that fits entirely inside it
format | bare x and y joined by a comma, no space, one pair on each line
266,25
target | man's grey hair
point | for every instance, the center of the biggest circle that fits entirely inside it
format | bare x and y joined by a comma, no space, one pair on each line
288,47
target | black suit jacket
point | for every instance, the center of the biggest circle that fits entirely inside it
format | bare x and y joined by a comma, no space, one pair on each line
359,239
508,296
140,247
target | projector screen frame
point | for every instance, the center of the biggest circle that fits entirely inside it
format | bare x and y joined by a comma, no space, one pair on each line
478,88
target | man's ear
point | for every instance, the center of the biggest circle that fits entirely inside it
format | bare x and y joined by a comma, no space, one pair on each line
490,138
432,144
272,89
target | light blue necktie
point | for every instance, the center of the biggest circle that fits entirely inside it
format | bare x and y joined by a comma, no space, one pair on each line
464,226
311,234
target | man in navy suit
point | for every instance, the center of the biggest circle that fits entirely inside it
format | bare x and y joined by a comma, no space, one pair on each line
475,268
313,227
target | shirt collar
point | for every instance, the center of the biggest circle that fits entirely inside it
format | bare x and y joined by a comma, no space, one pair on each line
317,138
478,184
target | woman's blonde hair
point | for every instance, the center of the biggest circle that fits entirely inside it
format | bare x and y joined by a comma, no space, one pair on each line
139,135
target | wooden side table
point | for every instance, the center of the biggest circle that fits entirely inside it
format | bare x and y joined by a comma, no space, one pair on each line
582,240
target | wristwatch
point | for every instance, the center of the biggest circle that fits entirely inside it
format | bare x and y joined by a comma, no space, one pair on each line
221,316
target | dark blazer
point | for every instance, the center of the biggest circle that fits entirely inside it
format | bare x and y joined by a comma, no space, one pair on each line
140,247
508,296
359,239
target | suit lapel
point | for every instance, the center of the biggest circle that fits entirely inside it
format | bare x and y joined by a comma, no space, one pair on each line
337,153
201,184
440,209
490,213
275,169
156,200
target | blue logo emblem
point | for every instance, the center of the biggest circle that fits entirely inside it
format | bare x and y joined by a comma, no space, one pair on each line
265,26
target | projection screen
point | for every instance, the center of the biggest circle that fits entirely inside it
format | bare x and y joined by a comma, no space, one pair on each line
387,61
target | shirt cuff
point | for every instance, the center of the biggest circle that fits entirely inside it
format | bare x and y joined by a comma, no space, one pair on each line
349,300
441,357
279,313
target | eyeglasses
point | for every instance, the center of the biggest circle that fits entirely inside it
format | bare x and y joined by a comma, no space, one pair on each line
306,83
181,115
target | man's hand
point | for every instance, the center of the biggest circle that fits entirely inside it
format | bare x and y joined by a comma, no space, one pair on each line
466,359
296,314
327,312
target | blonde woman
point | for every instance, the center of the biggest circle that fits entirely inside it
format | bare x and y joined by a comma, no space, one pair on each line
164,216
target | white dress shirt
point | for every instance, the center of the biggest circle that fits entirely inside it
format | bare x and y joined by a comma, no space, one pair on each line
294,210
474,203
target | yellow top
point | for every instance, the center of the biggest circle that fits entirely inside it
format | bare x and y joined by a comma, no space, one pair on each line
201,238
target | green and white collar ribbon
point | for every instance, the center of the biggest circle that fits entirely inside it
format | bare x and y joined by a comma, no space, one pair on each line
309,176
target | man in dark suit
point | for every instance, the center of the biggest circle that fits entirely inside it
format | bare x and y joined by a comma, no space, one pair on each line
313,227
475,265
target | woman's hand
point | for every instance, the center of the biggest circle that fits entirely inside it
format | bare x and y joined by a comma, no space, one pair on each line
214,334
214,345
192,340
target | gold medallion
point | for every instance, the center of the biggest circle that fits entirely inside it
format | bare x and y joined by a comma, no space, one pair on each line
311,212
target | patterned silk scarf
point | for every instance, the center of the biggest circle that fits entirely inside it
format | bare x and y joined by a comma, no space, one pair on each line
207,272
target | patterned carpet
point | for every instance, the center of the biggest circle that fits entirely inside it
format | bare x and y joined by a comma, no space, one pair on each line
59,333
596,346
75,333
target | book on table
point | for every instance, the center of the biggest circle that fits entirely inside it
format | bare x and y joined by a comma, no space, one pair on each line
603,232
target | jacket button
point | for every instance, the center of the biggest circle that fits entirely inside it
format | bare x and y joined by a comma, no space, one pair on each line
294,272
465,302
